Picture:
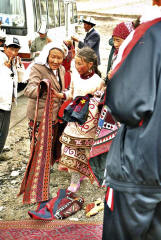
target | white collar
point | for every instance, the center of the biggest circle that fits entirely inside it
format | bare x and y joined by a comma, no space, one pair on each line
150,13
90,30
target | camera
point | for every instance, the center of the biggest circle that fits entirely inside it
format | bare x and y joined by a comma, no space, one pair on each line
12,75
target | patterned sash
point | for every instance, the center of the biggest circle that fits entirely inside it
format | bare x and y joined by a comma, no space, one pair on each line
35,184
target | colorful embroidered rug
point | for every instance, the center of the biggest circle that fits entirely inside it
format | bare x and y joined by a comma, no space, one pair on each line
48,230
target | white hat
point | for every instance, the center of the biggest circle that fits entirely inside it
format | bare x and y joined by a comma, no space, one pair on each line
89,20
12,41
42,58
2,35
42,29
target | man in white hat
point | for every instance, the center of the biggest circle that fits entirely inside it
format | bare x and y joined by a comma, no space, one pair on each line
37,45
92,38
9,64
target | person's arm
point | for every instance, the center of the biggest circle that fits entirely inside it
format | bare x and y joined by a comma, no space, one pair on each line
92,41
5,65
80,43
33,82
33,46
49,40
66,95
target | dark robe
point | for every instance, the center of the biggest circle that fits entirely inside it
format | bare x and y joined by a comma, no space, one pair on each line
92,40
134,97
133,164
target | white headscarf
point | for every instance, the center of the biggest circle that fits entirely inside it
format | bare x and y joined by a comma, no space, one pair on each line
42,58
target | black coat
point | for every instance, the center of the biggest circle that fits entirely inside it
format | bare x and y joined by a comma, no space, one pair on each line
92,40
134,97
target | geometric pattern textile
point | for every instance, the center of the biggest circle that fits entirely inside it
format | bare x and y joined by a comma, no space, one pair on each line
35,184
49,230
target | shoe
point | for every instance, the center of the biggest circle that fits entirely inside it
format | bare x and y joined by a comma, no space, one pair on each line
41,205
45,212
61,168
83,178
74,187
93,208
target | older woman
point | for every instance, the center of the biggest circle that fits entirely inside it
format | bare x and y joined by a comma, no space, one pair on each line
47,66
46,75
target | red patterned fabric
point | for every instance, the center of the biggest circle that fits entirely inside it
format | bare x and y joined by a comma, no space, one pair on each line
35,184
105,133
57,230
62,206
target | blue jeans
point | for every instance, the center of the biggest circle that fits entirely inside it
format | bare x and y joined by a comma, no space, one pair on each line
4,127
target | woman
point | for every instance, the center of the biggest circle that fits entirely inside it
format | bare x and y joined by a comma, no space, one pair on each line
47,74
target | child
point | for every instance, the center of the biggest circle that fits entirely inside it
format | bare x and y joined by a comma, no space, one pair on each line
120,33
77,139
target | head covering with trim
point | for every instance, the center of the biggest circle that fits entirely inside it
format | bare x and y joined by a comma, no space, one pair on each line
89,20
42,58
123,29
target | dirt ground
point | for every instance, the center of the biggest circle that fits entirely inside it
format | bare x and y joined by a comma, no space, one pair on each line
14,159
13,164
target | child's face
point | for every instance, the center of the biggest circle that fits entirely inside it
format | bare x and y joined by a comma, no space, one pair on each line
117,41
82,66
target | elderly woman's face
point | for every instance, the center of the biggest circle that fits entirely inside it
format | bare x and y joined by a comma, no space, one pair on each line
55,58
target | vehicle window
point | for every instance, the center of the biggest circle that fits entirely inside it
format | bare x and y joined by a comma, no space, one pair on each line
43,11
56,11
71,12
34,11
62,13
38,13
12,13
75,16
51,17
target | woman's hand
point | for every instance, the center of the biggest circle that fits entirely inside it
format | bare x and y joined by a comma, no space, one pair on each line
74,39
109,74
57,94
8,63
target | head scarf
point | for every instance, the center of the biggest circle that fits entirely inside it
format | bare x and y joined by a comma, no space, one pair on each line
42,58
123,29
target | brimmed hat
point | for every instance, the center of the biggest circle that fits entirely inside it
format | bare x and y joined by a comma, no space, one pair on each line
89,20
12,41
123,29
42,29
